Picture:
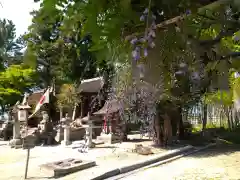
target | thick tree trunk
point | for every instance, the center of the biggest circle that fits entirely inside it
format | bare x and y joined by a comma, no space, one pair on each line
167,130
158,130
168,124
227,114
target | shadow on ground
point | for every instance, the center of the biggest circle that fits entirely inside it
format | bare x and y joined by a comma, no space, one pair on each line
222,149
137,140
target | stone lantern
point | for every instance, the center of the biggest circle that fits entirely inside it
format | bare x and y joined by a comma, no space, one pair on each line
66,125
22,117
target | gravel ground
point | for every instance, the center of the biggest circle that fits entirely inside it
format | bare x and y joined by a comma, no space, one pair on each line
12,161
219,163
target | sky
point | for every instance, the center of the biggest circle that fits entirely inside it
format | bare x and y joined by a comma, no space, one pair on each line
18,11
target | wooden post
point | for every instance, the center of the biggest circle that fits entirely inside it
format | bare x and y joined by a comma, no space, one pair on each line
28,152
27,162
74,111
82,101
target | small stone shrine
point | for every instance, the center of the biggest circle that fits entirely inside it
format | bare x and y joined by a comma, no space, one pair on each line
113,127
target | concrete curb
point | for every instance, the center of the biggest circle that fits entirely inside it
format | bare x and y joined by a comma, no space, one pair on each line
181,155
120,176
161,157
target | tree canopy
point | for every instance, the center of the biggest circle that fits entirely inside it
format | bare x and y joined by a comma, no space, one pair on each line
197,39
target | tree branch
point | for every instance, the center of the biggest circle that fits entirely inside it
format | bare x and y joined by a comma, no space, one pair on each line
231,55
181,17
221,35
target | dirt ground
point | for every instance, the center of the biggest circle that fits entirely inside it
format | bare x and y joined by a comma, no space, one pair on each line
219,163
107,157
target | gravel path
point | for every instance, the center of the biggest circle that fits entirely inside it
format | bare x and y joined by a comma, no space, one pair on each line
219,163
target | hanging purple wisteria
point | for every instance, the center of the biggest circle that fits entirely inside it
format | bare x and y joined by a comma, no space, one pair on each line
143,43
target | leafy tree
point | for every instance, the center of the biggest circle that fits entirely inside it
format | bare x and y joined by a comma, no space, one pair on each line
15,77
14,81
68,97
59,51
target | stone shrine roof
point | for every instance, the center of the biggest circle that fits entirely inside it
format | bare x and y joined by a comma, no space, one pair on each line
111,106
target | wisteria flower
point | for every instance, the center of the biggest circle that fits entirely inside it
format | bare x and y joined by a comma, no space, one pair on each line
182,65
195,76
152,44
145,52
134,41
136,54
142,18
179,72
153,25
154,17
142,40
236,38
177,29
145,11
149,38
152,33
188,12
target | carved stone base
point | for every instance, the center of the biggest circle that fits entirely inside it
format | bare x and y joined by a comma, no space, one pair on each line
15,143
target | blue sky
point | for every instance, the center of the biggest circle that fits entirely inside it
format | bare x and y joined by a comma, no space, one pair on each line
18,11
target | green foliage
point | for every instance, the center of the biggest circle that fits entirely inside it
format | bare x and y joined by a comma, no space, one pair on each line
220,97
14,81
68,96
58,48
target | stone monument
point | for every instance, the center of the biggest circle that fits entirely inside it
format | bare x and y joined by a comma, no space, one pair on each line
46,129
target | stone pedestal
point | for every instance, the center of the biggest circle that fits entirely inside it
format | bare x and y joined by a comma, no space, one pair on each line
66,141
16,141
109,138
89,133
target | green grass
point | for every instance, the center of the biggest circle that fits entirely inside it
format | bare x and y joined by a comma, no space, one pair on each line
229,137
198,128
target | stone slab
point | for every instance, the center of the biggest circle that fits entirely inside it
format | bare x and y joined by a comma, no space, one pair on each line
66,166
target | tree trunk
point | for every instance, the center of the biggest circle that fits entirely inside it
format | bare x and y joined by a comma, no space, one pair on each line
180,125
167,130
227,114
61,113
204,121
158,139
